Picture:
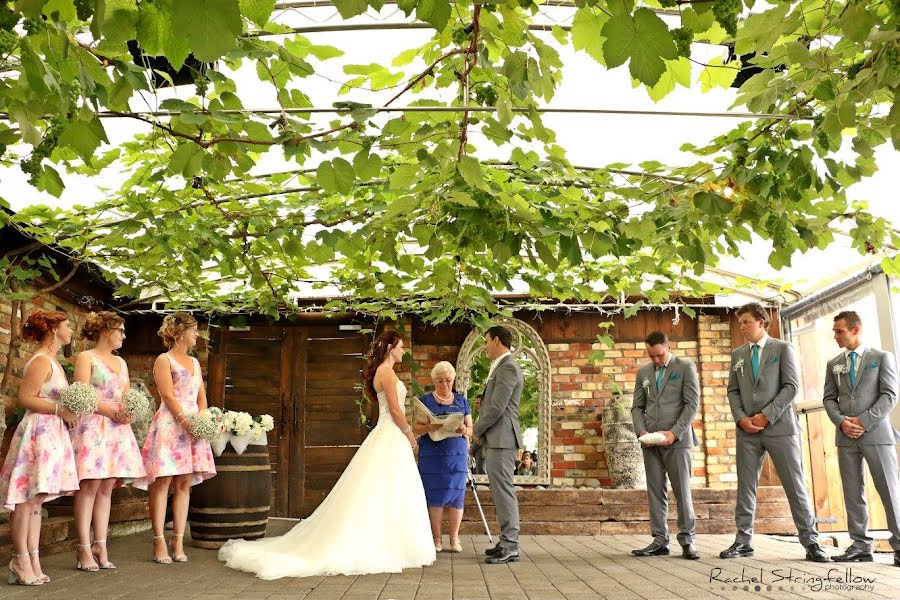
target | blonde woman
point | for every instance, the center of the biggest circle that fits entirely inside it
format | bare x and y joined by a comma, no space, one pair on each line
172,456
106,452
443,465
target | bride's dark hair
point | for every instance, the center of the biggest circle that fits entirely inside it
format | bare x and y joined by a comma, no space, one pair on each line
381,346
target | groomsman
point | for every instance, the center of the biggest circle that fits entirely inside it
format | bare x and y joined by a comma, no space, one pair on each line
860,391
666,398
762,385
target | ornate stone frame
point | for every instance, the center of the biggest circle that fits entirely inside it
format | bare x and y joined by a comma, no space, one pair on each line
474,345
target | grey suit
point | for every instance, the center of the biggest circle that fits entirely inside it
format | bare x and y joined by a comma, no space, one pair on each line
773,395
498,428
672,408
871,399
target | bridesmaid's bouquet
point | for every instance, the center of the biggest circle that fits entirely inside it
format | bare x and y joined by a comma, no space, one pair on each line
135,403
80,398
204,426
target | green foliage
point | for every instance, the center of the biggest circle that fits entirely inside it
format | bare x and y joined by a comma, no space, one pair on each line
396,205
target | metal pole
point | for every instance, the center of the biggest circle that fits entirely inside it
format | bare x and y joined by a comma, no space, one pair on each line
487,529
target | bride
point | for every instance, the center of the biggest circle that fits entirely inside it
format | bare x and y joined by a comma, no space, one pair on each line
375,519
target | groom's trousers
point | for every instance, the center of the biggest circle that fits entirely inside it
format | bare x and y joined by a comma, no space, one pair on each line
500,465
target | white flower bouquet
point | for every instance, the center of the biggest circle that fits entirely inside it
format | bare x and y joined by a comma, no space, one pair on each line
238,423
219,444
262,424
204,426
80,398
135,403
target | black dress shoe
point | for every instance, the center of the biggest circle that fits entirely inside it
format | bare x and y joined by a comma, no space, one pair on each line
493,551
853,554
654,549
737,550
689,552
504,556
815,553
897,558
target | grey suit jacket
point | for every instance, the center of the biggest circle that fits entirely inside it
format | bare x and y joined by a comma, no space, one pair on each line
498,414
871,399
671,409
772,394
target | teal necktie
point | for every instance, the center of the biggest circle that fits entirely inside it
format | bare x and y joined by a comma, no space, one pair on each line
853,368
659,376
754,361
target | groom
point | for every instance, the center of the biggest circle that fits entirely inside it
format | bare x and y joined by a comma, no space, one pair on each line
497,429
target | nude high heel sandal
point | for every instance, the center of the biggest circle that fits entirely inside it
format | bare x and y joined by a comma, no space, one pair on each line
87,568
177,557
163,560
14,579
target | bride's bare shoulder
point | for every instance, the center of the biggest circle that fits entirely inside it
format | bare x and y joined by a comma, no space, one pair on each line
384,376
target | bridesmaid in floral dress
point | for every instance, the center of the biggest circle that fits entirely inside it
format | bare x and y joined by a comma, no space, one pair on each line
106,452
171,454
40,465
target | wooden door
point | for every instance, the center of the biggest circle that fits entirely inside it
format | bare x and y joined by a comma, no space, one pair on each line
328,361
247,372
308,377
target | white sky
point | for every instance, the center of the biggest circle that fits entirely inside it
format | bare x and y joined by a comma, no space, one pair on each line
590,140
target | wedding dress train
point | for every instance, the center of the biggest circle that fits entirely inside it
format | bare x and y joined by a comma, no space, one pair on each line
374,520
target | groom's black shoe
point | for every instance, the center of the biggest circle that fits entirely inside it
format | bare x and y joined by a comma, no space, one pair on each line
690,552
494,551
504,556
654,549
815,553
897,558
854,554
737,550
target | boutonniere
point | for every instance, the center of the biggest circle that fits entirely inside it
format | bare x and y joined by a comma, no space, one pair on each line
873,365
739,366
837,370
674,376
645,384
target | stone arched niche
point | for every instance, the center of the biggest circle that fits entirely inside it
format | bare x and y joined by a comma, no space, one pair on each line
529,351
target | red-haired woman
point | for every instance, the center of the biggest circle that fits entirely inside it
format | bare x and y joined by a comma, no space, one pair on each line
375,519
40,465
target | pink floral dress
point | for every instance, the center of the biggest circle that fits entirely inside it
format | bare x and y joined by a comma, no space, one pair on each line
169,449
40,458
103,447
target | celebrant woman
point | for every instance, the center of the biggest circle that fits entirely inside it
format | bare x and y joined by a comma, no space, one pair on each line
443,465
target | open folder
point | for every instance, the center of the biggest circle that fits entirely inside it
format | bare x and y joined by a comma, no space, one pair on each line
450,422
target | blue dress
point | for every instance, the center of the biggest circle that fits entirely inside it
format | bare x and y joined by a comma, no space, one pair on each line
444,465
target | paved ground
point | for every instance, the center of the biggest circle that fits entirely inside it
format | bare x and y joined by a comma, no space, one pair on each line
552,568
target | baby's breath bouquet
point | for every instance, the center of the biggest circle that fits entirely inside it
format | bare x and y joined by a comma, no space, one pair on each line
204,426
80,398
135,403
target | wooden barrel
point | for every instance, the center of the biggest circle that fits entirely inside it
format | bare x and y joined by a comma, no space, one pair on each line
235,503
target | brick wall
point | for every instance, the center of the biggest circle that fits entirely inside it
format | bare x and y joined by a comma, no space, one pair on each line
714,332
23,352
580,391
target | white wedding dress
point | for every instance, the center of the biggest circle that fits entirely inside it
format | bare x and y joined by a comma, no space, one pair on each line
375,519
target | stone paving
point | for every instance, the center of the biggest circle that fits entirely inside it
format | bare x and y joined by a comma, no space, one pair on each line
552,568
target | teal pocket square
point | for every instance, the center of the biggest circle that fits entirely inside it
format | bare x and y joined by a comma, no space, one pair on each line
675,375
873,365
773,360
